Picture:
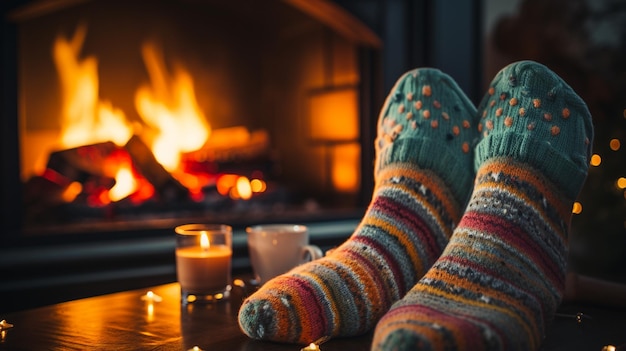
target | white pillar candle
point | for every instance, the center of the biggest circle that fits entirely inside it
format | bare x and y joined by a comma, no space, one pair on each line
203,270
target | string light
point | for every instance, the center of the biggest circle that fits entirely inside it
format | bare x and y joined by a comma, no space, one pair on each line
621,183
615,144
596,160
577,208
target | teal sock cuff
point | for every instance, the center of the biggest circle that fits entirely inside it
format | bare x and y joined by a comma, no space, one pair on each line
434,155
538,153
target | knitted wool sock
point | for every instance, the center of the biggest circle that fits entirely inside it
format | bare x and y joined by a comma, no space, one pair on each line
500,279
423,176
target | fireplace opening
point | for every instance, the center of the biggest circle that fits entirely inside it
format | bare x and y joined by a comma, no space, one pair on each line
195,110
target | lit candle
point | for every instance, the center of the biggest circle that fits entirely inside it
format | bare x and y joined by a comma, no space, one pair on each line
203,269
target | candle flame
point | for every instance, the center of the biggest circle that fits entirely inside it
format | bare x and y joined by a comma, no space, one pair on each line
204,242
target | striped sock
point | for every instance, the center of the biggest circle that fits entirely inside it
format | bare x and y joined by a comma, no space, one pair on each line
423,174
500,279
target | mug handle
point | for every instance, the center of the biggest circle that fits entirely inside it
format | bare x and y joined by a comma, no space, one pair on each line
311,253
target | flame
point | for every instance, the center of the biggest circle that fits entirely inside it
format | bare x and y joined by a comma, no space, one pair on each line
125,184
204,242
85,118
169,106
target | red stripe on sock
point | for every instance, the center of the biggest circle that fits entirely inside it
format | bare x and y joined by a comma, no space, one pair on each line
512,234
407,219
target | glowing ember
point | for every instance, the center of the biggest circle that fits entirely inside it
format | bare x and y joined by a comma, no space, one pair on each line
125,184
244,190
239,187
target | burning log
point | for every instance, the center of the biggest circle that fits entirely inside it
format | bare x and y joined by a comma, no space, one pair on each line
233,144
82,163
164,183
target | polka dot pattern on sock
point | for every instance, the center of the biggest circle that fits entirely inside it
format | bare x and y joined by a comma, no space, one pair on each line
533,115
428,120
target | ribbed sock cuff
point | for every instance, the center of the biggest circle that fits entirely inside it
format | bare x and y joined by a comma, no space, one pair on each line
434,155
538,153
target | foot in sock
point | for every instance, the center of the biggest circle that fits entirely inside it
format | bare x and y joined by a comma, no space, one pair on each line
423,177
501,277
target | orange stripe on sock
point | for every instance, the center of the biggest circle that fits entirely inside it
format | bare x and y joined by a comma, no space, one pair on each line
556,227
392,229
532,176
479,304
536,284
326,292
431,181
489,293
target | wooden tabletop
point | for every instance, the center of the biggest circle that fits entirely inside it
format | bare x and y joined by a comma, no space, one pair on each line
123,321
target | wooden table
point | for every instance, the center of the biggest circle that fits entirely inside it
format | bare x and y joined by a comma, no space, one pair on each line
123,321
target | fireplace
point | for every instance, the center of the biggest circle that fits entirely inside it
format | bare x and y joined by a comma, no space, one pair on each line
133,116
267,110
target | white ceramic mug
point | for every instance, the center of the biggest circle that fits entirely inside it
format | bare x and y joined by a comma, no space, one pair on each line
276,248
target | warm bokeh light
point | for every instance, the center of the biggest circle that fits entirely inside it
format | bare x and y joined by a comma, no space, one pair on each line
621,183
239,187
577,208
226,182
168,105
596,160
244,190
257,185
85,118
615,144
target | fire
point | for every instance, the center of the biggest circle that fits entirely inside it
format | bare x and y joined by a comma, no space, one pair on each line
125,184
172,125
85,118
169,106
128,183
